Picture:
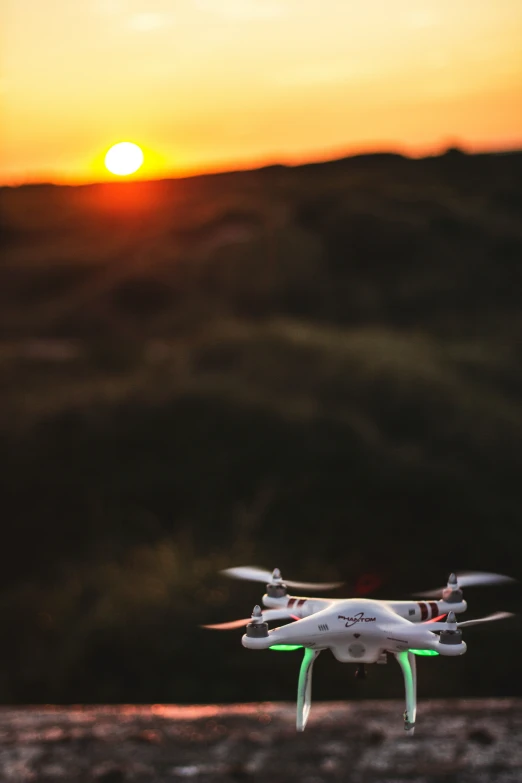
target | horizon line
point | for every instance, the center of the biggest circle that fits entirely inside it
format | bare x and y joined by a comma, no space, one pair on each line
269,164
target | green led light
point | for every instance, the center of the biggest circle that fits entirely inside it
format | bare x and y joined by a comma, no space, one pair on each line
285,647
424,652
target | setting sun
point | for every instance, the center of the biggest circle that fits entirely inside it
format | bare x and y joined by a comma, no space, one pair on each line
250,83
124,158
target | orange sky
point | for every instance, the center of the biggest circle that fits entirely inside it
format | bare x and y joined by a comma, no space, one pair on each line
214,84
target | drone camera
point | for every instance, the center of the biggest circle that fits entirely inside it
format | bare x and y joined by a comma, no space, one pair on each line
360,672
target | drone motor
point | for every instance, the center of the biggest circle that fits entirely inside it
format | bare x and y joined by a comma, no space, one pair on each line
257,629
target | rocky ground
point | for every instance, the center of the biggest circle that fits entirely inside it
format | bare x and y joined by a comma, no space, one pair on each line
456,742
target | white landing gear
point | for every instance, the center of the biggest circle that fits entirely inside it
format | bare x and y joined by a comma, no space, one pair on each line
407,663
304,688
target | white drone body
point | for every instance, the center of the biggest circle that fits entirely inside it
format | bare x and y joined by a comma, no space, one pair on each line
358,630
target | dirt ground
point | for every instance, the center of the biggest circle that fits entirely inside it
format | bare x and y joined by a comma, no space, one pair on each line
456,742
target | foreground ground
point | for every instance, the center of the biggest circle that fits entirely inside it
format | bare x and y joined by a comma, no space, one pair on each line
456,742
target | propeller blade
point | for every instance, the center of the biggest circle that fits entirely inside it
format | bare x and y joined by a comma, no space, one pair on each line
266,616
314,585
490,618
430,593
470,579
228,626
476,578
250,573
448,626
255,574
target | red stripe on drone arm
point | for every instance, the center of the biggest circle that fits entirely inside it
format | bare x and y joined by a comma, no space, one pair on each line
301,603
424,610
434,609
290,603
435,619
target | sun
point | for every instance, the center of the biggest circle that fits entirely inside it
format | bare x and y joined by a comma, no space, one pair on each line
124,158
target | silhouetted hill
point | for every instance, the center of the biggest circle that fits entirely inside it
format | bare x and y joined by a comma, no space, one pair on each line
315,367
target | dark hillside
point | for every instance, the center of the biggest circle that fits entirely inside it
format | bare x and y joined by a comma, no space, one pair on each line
315,367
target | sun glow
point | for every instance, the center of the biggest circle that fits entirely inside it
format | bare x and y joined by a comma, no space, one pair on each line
252,82
124,158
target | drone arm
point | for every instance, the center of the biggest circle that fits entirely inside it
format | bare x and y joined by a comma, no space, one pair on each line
409,670
304,688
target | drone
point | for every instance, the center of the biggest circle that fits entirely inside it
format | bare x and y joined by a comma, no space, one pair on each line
358,630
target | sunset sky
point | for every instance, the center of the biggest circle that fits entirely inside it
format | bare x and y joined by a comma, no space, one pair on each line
213,84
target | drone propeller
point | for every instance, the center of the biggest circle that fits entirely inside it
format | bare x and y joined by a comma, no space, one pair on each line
451,623
258,616
255,574
467,579
418,631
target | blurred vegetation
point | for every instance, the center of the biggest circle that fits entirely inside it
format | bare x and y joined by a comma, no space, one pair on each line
317,368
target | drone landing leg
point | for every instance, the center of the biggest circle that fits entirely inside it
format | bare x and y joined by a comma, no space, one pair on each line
409,671
304,688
